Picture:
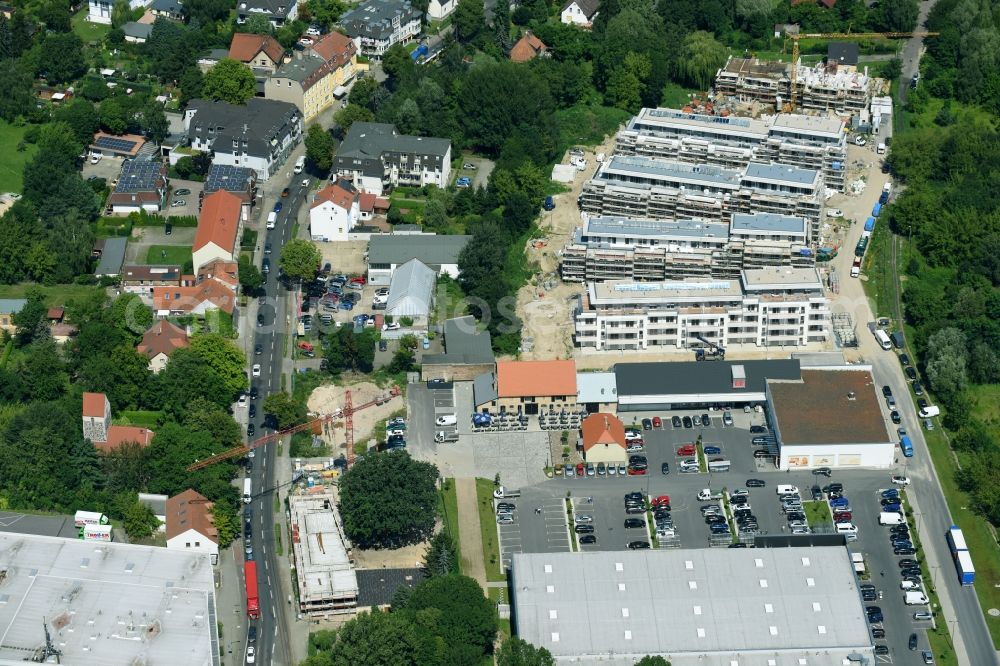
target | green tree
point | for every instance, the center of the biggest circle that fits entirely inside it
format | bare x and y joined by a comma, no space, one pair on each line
139,520
628,82
351,114
517,652
388,500
229,81
895,15
226,523
319,149
120,13
258,24
191,82
82,118
61,58
300,259
153,122
125,468
442,557
347,350
286,410
469,20
30,319
377,639
946,361
251,279
225,359
435,214
42,372
186,378
466,619
701,57
130,315
17,99
649,660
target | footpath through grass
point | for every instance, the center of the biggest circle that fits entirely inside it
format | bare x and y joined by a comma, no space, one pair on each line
488,527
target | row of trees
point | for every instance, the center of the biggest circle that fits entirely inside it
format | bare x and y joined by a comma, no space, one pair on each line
46,464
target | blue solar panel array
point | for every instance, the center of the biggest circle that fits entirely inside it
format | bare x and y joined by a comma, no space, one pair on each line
116,144
139,176
228,177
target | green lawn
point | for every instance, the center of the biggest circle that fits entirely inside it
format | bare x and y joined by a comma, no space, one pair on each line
57,294
169,254
12,164
138,417
488,527
87,31
448,506
584,125
818,513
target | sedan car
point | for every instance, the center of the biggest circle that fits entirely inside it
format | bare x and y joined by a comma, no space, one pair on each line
911,373
657,423
638,545
634,523
755,483
665,469
687,422
900,480
647,424
177,203
584,529
917,388
895,417
285,192
182,192
675,421
712,450
686,450
588,538
696,420
923,615
904,551
256,370
251,654
470,166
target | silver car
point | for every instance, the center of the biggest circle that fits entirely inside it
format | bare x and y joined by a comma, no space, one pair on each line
584,518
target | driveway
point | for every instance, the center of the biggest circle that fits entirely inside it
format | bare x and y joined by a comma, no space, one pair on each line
481,174
190,206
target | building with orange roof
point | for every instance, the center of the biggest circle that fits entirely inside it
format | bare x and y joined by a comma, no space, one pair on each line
315,79
97,427
528,387
603,437
191,525
210,294
335,210
219,226
226,272
260,52
528,48
160,341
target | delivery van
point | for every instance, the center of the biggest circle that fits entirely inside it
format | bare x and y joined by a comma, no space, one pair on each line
787,490
300,164
929,411
446,420
272,219
886,518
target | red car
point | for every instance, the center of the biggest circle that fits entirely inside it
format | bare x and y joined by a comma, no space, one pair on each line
662,499
579,470
656,422
358,280
842,516
636,471
686,450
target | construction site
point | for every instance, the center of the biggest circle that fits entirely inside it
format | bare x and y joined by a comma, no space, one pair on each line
324,565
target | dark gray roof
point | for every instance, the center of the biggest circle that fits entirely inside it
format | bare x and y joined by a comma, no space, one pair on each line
112,257
137,30
464,343
371,140
375,18
588,7
700,378
260,121
139,176
431,249
167,6
484,389
229,178
53,526
842,53
377,587
301,67
273,8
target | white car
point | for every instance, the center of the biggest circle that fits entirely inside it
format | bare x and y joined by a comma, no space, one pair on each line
860,140
469,165
178,202
901,480
243,400
584,518
251,654
96,157
256,370
393,326
834,212
305,183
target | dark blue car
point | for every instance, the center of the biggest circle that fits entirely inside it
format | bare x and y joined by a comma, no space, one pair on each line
840,501
712,450
277,207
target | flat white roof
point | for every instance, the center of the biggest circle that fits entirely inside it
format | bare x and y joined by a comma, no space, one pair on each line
781,278
708,606
322,563
596,387
106,603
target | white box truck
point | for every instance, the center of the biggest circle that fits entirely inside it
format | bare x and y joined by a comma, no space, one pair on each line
503,492
82,518
247,495
96,533
887,518
300,164
272,219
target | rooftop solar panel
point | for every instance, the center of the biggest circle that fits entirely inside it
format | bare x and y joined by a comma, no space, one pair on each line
113,143
139,176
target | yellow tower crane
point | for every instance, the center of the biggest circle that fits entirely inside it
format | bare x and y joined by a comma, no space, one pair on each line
850,36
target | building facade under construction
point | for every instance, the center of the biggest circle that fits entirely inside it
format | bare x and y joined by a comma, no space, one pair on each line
638,187
610,248
809,142
324,568
821,87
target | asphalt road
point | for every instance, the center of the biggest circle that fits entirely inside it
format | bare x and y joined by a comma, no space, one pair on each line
275,322
911,52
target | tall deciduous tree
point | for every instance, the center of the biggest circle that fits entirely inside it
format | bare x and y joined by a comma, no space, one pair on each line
17,99
319,149
467,620
229,81
701,57
61,58
469,20
286,410
226,359
518,652
300,259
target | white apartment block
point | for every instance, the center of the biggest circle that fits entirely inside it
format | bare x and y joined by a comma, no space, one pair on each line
766,307
645,187
614,248
809,142
822,87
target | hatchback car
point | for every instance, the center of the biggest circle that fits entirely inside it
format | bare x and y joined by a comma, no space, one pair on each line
675,421
687,422
755,429
923,615
910,372
755,483
647,424
657,423
696,420
878,632
917,388
881,649
588,538
686,450
634,523
904,551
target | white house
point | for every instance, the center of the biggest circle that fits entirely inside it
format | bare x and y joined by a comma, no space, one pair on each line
579,12
438,9
334,212
99,11
191,525
375,157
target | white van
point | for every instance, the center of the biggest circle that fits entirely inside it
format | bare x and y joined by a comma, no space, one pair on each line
300,164
880,149
929,411
887,518
787,490
247,496
883,339
915,598
847,528
446,420
272,219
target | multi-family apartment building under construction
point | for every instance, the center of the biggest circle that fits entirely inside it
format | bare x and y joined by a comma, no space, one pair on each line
639,187
821,87
613,248
809,142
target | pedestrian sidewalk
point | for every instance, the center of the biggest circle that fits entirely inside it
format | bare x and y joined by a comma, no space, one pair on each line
470,537
230,604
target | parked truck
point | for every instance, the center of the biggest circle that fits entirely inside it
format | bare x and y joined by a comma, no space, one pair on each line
247,494
915,598
960,553
253,603
89,518
503,492
706,494
859,249
442,437
718,466
96,533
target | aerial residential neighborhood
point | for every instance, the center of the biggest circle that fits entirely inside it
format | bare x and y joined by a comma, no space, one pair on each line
461,332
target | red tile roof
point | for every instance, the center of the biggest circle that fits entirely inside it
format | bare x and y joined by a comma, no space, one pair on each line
93,404
186,299
190,510
118,435
335,48
370,202
245,47
55,313
162,338
602,429
219,221
336,195
226,272
517,379
527,47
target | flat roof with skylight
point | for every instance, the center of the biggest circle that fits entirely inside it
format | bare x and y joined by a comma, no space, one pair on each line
105,603
712,607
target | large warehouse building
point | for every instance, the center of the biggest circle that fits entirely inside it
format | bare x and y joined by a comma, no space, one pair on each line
710,607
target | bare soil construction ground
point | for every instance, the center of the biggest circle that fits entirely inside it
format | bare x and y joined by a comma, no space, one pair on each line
329,399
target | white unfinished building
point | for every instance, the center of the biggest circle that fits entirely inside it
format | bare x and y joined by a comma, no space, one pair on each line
810,142
105,604
766,307
840,88
640,187
324,569
614,248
